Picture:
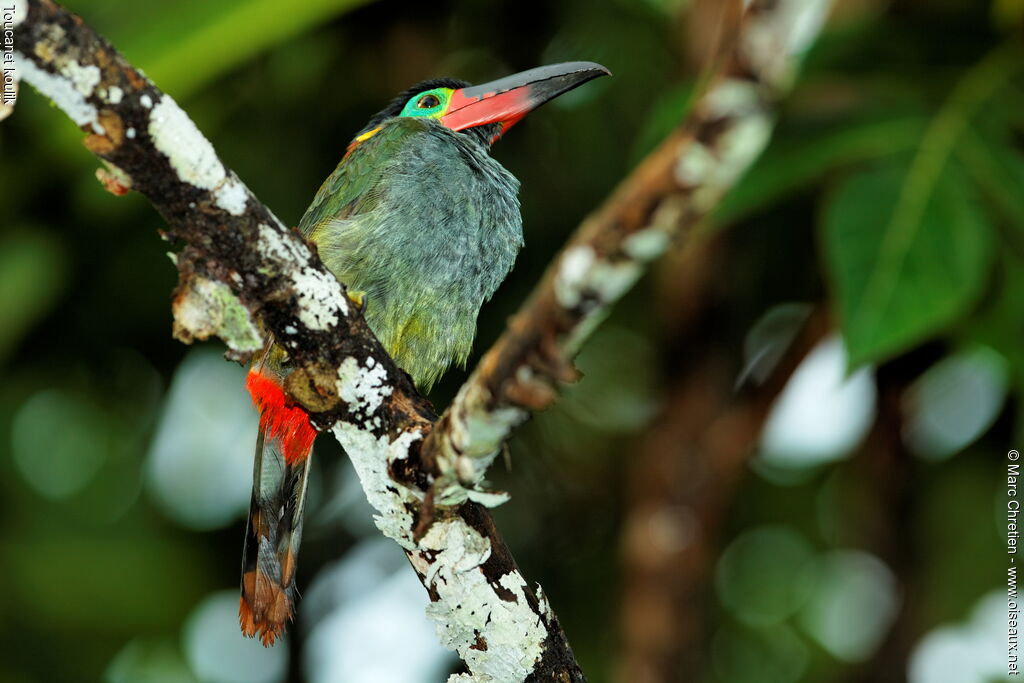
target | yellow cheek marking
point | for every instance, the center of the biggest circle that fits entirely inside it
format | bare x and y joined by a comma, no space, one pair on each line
368,134
360,140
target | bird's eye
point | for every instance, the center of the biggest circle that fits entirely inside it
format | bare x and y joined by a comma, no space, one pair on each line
428,102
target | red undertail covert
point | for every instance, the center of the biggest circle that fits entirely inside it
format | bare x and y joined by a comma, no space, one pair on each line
280,418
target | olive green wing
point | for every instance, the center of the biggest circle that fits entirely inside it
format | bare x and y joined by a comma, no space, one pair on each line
350,189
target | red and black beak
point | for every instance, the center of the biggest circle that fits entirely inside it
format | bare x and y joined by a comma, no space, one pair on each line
507,100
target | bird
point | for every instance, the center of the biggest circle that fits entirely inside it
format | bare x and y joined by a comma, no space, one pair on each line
422,225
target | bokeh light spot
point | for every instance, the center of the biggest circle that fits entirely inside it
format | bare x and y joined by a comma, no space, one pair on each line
821,415
218,652
954,402
360,607
852,605
758,575
970,652
200,464
59,441
144,661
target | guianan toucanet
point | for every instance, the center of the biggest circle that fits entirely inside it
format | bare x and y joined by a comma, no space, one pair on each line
422,225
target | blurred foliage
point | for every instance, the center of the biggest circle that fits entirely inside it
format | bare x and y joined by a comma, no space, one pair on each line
891,196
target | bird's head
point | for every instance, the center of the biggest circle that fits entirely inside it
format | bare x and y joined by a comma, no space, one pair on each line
485,111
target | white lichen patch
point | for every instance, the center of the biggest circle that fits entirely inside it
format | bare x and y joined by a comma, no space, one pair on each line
736,149
477,431
470,609
449,491
207,308
808,17
232,195
605,282
582,273
650,243
739,146
83,78
58,88
710,170
773,42
731,98
489,499
572,275
472,443
480,434
364,389
370,455
694,164
275,245
320,299
191,155
69,88
544,605
319,295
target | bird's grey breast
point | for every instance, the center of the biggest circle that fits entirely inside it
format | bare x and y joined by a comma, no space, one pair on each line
453,214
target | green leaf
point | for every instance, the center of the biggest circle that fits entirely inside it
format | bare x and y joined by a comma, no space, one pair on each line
907,246
901,275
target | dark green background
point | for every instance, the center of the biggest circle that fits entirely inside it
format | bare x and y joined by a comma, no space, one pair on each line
891,199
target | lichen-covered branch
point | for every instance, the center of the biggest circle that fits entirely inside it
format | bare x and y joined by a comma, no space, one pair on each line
245,277
669,193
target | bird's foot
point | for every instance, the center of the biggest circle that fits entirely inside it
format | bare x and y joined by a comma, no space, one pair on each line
358,298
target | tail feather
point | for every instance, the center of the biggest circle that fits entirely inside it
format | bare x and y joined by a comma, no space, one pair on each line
274,532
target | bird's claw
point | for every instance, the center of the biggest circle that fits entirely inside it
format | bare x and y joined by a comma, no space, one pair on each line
358,298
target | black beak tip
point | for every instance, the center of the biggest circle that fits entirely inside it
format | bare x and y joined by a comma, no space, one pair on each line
551,81
592,69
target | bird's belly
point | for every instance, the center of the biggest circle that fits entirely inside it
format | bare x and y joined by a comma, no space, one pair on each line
424,330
